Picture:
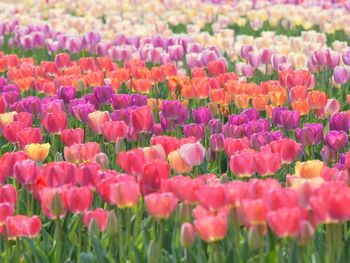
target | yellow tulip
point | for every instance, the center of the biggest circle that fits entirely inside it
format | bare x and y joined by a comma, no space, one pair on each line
7,117
309,169
38,152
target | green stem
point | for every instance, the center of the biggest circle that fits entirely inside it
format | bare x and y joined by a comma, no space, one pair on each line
120,235
160,240
128,232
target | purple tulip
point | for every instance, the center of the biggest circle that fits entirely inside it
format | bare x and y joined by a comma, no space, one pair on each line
266,55
339,122
290,119
81,111
277,60
195,130
336,140
341,75
261,125
167,124
32,105
259,139
252,114
216,142
245,50
123,114
237,119
120,101
233,131
176,52
52,105
202,115
171,109
248,71
319,57
310,134
215,126
327,154
277,115
138,100
333,59
254,59
346,56
66,93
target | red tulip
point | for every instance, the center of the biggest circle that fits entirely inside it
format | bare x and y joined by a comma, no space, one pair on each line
6,210
179,183
169,143
72,136
287,148
3,104
153,173
88,174
281,198
125,194
285,221
89,150
59,173
212,197
55,122
142,119
242,164
25,118
8,161
254,212
212,228
26,171
29,135
155,152
217,68
79,199
53,202
160,205
267,163
114,131
10,131
234,191
235,145
22,226
8,194
109,178
132,161
100,215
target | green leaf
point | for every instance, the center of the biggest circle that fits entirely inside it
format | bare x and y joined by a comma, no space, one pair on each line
99,252
39,255
86,257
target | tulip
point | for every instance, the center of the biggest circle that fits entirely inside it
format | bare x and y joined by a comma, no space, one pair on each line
8,161
235,145
202,115
22,226
29,135
8,194
6,210
142,119
26,172
336,140
113,131
287,148
212,228
37,152
155,152
212,197
160,205
309,169
53,202
153,174
79,199
290,119
216,142
187,235
120,101
310,134
125,194
11,130
89,174
192,153
169,143
66,93
99,215
103,93
306,231
339,122
96,119
332,106
55,122
267,163
59,173
70,137
216,68
195,130
285,221
242,163
88,151
178,164
132,161
341,75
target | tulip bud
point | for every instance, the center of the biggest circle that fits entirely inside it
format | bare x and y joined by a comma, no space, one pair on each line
188,235
57,205
112,224
152,252
185,212
102,159
305,233
93,229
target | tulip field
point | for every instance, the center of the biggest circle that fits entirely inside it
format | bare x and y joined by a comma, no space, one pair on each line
167,131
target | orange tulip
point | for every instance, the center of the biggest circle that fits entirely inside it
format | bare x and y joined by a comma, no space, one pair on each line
178,164
259,102
302,106
317,99
278,98
217,95
241,101
309,169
